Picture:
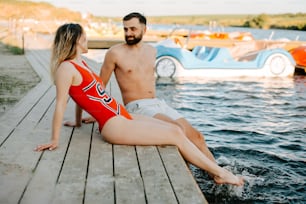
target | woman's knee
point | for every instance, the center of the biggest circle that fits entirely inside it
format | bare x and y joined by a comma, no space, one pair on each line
177,135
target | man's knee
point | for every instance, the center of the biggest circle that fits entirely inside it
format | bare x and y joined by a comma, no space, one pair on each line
183,128
190,131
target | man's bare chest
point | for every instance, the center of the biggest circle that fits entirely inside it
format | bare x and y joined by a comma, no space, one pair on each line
139,65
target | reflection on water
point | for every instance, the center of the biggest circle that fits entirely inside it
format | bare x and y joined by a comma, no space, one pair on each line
255,128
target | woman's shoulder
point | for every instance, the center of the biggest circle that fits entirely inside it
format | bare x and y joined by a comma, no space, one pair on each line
65,67
66,64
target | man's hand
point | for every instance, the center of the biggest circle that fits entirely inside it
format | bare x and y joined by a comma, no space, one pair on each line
88,120
71,124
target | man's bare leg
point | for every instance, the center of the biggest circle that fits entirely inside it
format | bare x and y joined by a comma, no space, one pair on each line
194,135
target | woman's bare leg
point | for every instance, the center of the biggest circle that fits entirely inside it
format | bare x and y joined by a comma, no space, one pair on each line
151,131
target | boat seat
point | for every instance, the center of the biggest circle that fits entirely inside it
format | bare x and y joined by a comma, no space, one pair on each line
200,52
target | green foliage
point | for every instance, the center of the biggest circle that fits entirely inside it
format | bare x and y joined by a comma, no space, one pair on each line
301,27
261,21
15,50
13,44
290,21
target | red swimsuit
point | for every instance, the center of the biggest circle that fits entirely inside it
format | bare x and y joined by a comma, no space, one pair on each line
90,95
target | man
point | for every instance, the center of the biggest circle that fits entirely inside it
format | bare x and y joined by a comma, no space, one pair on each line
133,63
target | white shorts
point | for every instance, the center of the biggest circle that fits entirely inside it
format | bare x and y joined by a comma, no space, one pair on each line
151,107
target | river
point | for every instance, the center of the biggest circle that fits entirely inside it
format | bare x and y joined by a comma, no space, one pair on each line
254,128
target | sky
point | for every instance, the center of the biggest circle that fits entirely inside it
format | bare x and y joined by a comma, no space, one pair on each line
119,8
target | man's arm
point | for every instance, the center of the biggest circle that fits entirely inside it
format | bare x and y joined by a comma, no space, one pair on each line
108,66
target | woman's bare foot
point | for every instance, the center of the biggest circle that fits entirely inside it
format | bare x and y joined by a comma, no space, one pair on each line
228,178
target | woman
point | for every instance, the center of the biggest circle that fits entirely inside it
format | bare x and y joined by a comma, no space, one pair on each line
73,77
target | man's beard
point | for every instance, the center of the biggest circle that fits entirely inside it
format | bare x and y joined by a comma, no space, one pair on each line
133,41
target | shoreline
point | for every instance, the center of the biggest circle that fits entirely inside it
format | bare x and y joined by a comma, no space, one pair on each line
17,78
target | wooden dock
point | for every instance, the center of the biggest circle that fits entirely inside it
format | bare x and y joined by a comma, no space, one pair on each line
190,43
84,169
107,42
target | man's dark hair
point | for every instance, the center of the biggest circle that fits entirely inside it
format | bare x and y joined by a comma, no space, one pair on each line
142,19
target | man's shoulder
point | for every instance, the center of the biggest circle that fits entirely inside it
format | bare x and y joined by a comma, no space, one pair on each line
116,47
151,48
149,45
115,50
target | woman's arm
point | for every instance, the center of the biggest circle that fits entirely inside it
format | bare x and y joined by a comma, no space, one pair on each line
63,81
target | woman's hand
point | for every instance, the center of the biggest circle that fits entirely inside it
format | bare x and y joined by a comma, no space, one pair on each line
51,146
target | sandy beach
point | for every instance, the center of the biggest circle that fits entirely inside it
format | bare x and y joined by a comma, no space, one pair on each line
16,78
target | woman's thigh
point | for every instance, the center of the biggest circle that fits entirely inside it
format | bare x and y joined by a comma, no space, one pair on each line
140,131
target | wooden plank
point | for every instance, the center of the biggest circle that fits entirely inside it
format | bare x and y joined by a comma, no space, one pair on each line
40,66
40,188
94,43
107,42
11,118
100,181
157,186
128,182
71,184
14,116
184,185
17,156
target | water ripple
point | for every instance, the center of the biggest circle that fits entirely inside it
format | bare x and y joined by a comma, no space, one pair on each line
264,175
254,128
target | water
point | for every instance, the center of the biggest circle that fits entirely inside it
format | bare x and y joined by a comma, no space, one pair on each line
254,127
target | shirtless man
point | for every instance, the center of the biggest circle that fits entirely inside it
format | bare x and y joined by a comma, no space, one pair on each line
133,63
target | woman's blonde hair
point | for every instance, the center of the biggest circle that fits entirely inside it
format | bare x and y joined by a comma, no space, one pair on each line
64,45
